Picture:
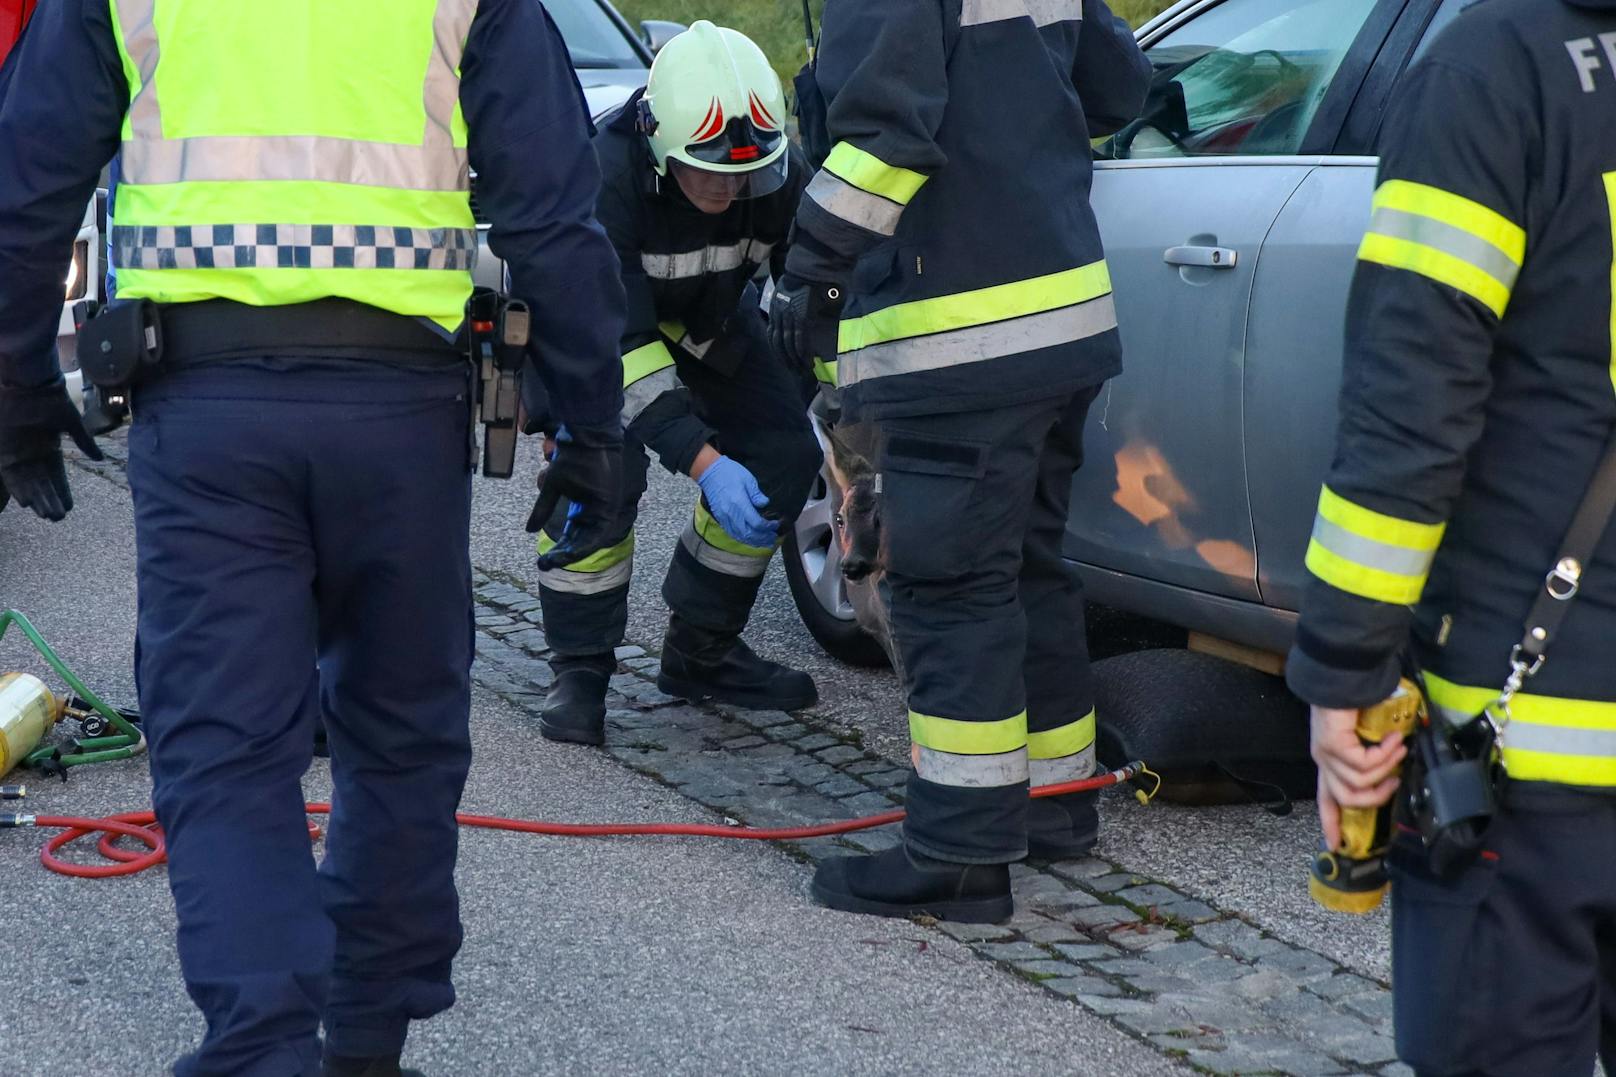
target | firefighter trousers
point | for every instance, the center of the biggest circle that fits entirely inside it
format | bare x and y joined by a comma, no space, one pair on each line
759,414
988,618
1509,970
302,530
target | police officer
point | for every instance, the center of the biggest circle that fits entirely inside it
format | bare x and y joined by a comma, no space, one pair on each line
952,220
300,460
1476,404
700,186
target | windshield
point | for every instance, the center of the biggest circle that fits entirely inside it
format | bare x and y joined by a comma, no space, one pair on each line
593,39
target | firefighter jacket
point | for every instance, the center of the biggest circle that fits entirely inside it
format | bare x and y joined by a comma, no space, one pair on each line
1477,396
954,204
685,272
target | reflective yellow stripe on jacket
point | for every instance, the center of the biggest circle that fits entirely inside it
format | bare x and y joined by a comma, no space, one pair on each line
1448,238
968,327
648,372
1548,739
864,190
1370,554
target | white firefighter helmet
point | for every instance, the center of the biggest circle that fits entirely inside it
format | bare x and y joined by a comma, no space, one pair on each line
714,106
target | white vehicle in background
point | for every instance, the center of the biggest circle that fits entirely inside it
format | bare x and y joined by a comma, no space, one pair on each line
85,279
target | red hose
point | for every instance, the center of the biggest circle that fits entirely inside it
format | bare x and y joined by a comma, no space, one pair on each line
142,826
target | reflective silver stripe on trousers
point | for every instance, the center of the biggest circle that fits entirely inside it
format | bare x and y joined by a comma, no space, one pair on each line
1371,554
291,246
730,564
971,771
588,583
1042,12
638,396
1430,232
1068,768
434,165
958,347
707,260
869,211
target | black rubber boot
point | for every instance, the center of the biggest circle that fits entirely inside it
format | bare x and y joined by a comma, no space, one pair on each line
1064,827
385,1066
900,882
698,664
575,711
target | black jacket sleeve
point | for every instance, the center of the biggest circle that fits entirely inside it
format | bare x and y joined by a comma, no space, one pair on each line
658,410
884,69
1445,242
1111,74
62,100
537,180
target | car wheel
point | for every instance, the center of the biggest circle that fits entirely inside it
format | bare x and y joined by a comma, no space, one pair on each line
1216,731
813,561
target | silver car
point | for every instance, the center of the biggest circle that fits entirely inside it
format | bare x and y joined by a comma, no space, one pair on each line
1231,213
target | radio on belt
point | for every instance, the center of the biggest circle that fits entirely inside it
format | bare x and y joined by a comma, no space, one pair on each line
499,331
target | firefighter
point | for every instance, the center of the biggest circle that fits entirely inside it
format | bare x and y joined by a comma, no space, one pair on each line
950,232
300,457
1476,404
700,185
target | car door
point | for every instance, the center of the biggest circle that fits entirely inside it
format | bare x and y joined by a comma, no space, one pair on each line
1185,197
1297,325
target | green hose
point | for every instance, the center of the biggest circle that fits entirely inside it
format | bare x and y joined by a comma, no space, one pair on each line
127,743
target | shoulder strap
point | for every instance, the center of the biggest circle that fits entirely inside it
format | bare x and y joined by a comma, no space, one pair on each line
1560,586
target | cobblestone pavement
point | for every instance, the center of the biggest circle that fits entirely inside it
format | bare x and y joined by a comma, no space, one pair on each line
1196,982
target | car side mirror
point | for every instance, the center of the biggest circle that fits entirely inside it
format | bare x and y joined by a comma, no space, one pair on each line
658,32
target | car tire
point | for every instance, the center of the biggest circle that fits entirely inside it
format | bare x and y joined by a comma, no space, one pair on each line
813,563
1216,731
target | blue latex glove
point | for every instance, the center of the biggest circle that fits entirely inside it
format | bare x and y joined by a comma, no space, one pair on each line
734,498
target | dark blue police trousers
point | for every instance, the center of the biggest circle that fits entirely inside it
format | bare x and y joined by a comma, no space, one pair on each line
302,529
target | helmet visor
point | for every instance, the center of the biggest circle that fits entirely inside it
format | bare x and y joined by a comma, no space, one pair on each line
714,185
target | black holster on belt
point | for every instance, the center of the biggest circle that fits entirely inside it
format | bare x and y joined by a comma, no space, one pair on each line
1451,790
119,345
497,333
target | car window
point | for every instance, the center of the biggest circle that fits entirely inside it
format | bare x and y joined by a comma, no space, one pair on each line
592,38
1244,77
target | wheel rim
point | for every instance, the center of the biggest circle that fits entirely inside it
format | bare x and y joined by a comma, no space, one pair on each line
818,551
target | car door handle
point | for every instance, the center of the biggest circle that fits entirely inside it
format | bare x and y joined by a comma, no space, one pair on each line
1210,257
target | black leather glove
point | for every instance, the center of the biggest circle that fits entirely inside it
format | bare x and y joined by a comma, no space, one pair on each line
803,319
32,422
587,469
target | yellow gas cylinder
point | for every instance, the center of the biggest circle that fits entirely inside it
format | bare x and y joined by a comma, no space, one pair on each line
27,711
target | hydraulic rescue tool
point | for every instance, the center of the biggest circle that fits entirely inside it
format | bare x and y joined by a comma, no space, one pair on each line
28,711
1352,877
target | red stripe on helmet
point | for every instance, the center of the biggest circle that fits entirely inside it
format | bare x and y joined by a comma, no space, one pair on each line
761,115
713,124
